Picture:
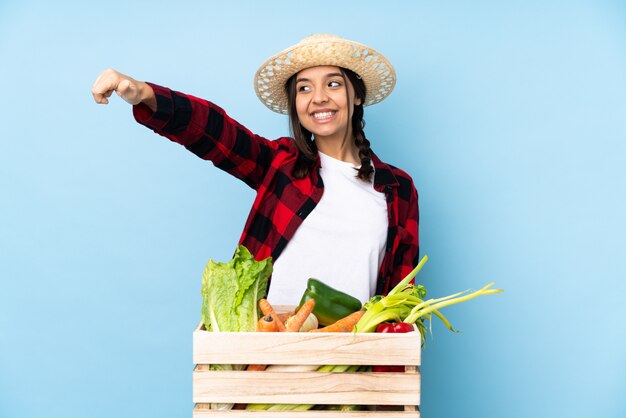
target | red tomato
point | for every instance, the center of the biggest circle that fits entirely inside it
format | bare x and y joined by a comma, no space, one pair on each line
396,327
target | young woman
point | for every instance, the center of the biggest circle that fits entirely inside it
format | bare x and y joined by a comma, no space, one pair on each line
326,205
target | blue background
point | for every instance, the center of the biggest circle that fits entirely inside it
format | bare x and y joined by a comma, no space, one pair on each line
510,116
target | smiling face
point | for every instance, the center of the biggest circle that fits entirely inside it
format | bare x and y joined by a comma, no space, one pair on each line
325,103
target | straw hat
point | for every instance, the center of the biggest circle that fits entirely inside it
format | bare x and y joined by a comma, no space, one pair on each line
323,49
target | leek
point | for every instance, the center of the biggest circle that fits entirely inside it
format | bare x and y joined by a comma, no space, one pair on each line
405,303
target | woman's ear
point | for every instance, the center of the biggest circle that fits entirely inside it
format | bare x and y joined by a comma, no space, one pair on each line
358,101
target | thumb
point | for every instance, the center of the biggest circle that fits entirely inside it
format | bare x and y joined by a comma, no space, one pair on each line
128,91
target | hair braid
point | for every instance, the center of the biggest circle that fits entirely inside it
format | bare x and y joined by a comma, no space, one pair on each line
358,125
361,141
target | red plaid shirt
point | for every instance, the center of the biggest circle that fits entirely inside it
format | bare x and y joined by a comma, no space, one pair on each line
282,201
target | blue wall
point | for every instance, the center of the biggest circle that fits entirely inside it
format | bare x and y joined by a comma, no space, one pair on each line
510,116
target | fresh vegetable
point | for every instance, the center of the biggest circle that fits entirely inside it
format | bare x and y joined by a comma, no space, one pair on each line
344,408
292,368
393,328
256,367
405,303
330,304
232,290
230,294
345,324
387,369
266,324
310,323
267,309
295,322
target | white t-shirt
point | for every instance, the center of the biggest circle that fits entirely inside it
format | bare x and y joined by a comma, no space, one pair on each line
341,242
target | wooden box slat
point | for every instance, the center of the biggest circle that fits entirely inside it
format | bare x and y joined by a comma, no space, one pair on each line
306,348
201,411
320,388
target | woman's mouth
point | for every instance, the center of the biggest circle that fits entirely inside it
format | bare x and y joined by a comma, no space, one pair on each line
324,115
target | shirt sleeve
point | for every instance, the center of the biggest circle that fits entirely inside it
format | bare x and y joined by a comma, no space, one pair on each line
407,254
207,131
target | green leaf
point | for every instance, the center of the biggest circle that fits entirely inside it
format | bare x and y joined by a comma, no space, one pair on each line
231,291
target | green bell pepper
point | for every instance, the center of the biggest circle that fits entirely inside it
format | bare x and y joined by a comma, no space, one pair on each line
330,303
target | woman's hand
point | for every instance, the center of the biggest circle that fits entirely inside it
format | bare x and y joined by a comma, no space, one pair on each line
129,89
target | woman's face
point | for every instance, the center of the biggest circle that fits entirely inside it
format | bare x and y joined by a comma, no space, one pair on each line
322,105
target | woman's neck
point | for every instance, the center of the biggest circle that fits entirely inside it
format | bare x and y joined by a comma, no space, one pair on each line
339,150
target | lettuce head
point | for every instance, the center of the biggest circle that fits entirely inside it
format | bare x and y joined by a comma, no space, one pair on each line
231,292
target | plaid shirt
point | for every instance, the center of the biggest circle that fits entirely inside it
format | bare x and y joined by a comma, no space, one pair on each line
282,201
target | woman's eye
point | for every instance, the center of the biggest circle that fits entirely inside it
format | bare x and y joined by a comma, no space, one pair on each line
303,88
334,84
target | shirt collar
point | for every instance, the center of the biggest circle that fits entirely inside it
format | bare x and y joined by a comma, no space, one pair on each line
383,175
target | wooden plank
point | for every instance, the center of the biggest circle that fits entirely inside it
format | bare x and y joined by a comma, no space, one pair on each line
201,411
319,388
306,348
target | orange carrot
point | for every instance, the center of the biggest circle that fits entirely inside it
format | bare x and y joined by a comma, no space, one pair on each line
345,324
267,309
295,322
266,324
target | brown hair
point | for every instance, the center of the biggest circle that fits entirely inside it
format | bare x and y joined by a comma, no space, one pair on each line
304,138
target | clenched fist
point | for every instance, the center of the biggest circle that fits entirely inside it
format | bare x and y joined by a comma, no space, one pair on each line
129,89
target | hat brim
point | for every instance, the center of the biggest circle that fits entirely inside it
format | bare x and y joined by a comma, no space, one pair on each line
376,71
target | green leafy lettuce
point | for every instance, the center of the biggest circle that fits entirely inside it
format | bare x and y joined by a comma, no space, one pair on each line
231,292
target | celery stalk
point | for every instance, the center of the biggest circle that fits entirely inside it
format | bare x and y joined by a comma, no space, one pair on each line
404,282
404,304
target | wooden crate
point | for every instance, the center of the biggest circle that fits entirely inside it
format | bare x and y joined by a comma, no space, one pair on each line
390,394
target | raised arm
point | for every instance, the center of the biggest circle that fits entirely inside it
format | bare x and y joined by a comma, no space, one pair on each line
197,124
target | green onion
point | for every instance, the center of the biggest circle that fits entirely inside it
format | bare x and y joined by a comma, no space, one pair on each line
404,303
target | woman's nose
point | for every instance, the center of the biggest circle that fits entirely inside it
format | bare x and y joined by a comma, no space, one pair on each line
320,96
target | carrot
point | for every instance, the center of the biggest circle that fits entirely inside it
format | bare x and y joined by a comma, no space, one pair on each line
256,367
267,309
294,323
345,324
266,324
